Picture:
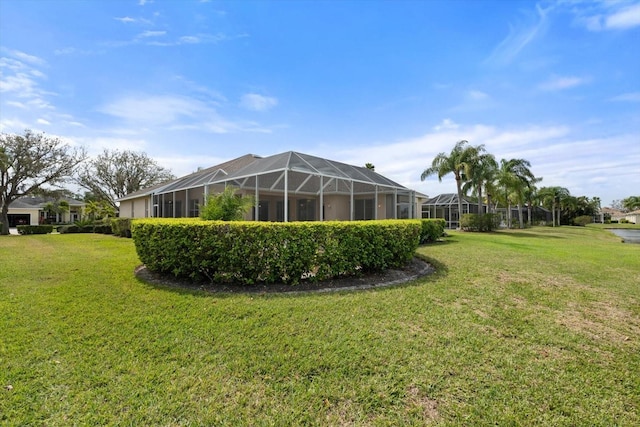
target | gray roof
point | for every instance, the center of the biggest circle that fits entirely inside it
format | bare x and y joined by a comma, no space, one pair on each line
197,179
37,202
244,171
446,199
311,165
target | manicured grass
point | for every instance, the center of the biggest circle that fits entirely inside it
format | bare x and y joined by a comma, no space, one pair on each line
533,327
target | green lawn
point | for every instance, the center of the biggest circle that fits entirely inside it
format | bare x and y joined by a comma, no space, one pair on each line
534,327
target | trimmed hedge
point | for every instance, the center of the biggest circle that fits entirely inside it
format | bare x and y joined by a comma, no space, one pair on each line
121,227
582,220
88,228
250,252
484,222
432,230
35,229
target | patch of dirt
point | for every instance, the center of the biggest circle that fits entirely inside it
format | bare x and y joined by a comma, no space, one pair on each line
428,406
413,270
602,321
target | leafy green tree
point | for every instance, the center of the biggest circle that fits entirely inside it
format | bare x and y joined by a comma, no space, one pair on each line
226,206
114,174
58,207
29,162
458,162
370,166
631,203
96,210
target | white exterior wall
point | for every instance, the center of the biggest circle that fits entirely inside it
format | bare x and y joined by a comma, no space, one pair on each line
634,218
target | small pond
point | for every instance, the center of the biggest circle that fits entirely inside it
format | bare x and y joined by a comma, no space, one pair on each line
628,235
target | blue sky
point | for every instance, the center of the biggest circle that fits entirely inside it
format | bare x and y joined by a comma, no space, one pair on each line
393,83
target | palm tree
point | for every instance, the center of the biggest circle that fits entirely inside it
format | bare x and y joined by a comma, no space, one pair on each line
92,209
531,196
631,203
514,176
481,171
457,162
551,197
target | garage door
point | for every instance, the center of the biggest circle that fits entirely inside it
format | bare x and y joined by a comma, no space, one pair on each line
19,219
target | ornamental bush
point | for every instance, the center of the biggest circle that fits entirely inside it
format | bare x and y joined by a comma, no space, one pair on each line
582,220
251,252
484,222
121,227
432,229
35,229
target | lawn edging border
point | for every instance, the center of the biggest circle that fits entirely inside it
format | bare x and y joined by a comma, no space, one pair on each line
415,269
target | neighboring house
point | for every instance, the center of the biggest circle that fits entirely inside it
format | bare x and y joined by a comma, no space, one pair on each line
289,186
31,210
607,213
633,217
446,206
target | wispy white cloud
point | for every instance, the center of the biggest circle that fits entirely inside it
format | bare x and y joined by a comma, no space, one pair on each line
26,100
446,124
97,144
17,104
154,109
520,35
151,34
75,51
143,2
24,57
202,38
256,102
606,15
626,18
13,125
21,84
175,113
126,19
630,97
200,91
477,95
472,100
20,77
562,82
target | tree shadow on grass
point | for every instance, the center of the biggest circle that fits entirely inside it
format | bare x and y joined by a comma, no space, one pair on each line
521,234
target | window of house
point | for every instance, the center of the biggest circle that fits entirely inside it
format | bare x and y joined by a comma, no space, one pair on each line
364,209
194,208
280,211
263,211
306,210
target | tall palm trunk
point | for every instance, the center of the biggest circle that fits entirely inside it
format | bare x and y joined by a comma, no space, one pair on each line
553,214
520,219
459,188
